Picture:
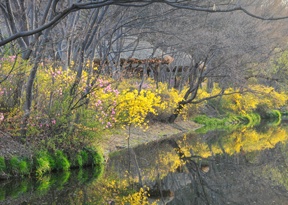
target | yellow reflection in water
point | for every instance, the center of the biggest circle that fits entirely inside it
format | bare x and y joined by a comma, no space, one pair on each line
245,141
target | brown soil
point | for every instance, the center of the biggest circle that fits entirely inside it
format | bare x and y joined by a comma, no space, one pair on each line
10,147
155,131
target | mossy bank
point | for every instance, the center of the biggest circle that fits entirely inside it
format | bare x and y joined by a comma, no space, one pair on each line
43,162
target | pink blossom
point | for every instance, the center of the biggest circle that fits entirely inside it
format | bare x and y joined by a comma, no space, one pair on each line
53,121
60,91
108,125
12,58
99,102
116,92
100,81
108,89
1,117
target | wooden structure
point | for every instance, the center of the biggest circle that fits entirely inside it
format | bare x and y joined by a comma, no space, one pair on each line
135,66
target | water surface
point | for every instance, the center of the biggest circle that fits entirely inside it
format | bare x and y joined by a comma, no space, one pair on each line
242,166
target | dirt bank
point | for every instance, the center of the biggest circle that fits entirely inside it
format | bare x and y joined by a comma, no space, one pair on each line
10,147
155,131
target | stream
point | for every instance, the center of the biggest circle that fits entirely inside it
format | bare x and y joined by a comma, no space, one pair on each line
228,166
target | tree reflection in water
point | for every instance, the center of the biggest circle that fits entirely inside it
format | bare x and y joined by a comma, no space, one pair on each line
246,166
56,188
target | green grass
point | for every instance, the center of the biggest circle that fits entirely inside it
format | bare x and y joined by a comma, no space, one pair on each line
85,156
208,121
82,158
250,119
230,122
14,163
44,163
61,161
79,160
19,166
24,167
275,114
2,164
97,161
226,123
2,194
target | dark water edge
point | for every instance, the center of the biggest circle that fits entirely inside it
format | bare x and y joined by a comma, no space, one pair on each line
55,188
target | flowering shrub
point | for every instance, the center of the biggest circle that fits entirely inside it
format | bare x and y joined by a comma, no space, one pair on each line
172,97
1,117
59,117
13,75
245,102
259,95
133,107
169,97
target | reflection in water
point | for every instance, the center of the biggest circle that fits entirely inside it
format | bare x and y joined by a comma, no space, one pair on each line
57,188
247,166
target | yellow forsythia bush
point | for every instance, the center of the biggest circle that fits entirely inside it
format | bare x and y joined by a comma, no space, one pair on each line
246,100
133,107
171,97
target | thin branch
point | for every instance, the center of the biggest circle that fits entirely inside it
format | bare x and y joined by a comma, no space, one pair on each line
11,70
221,93
261,76
218,10
56,19
131,3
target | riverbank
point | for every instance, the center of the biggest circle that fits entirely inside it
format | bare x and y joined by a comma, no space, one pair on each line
11,147
155,131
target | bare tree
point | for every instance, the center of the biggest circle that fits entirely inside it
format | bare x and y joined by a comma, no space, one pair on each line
219,37
68,7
